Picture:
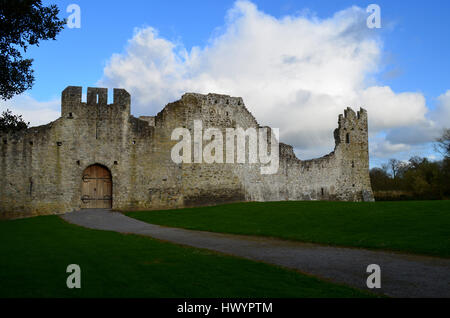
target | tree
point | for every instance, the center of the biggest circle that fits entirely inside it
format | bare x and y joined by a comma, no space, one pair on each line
416,161
379,179
394,167
23,23
10,122
419,178
424,178
442,144
446,177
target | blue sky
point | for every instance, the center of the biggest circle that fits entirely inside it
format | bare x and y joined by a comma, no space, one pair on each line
413,50
416,44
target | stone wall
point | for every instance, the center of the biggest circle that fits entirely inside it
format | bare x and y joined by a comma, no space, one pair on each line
41,168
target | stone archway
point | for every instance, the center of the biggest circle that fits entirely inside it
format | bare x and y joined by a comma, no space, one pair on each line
96,188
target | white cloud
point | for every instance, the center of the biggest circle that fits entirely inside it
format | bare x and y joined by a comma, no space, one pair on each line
385,148
388,109
425,130
442,113
296,73
33,111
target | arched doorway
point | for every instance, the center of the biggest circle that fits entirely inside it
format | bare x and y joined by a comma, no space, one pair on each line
96,188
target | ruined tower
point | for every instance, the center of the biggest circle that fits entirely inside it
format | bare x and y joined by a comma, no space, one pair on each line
352,149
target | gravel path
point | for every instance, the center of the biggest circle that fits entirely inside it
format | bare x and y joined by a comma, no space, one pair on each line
402,275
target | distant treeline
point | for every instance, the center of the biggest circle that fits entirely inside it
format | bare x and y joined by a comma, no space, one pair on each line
417,179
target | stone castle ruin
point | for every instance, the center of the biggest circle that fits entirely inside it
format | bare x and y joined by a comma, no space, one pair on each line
100,156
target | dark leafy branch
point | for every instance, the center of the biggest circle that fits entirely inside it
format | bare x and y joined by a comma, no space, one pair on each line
11,123
23,23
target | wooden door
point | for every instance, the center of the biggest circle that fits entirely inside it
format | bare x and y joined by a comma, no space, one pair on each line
96,189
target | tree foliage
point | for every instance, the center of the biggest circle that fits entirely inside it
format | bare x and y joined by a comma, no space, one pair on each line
394,167
10,122
23,23
443,143
419,178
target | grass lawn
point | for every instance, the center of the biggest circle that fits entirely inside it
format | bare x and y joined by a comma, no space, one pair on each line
35,253
421,227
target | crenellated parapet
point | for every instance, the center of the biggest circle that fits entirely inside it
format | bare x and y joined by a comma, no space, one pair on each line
96,101
352,127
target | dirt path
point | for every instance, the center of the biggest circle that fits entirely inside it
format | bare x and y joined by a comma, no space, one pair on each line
402,275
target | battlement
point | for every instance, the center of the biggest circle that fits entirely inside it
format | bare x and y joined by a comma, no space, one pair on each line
71,99
95,96
350,119
352,127
216,99
350,113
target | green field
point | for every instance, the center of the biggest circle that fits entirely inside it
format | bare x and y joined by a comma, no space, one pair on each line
35,253
421,227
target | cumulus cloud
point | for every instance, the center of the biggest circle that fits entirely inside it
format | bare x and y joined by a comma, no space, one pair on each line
385,148
442,113
33,111
427,129
388,109
296,73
